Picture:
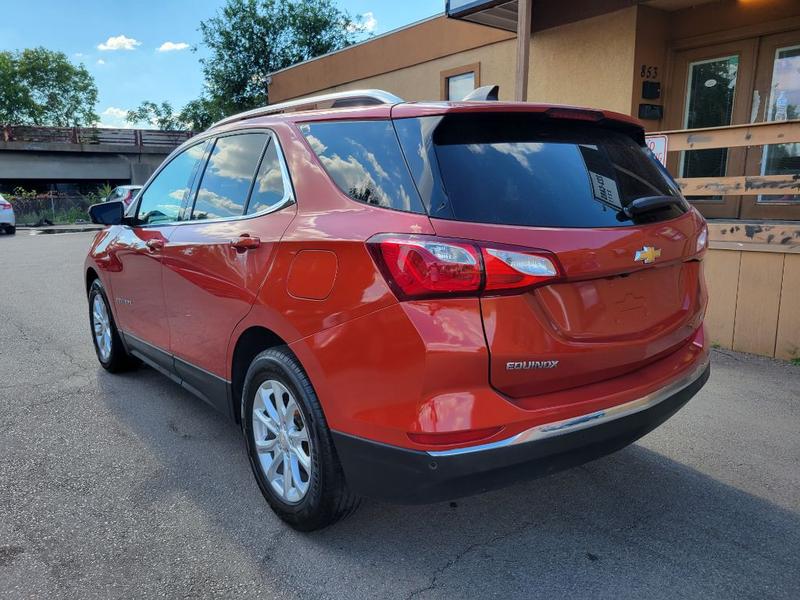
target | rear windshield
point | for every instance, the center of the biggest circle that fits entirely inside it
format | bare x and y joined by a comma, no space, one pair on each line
529,171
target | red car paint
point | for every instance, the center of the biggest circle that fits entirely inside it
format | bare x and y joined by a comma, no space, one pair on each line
415,373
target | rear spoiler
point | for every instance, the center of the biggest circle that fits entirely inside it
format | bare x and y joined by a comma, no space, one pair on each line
604,118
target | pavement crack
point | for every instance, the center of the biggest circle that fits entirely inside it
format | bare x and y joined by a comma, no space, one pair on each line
434,580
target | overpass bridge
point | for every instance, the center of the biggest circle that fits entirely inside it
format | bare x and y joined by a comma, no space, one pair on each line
46,156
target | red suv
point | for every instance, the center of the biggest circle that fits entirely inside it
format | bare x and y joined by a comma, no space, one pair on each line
410,301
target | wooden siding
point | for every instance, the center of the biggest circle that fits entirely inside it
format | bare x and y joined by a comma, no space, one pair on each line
753,303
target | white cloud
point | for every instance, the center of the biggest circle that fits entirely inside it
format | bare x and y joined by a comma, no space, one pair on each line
100,61
114,112
114,118
367,23
79,55
370,22
119,42
172,46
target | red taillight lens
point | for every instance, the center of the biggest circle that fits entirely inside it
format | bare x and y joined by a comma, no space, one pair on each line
4,204
422,267
418,266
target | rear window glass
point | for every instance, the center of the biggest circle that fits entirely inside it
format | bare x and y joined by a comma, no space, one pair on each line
520,170
365,161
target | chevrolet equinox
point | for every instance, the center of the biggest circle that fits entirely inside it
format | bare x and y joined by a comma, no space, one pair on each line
409,301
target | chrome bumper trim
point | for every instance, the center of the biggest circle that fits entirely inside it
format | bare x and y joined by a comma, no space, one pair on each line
547,430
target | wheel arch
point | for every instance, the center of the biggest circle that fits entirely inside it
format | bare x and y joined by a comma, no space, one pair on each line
91,275
251,342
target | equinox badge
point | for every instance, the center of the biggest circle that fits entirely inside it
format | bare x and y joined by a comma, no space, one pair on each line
647,255
526,365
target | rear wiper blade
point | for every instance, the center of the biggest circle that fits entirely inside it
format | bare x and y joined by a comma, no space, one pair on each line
650,203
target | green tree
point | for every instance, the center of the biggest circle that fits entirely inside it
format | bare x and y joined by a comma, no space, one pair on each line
161,115
42,87
247,41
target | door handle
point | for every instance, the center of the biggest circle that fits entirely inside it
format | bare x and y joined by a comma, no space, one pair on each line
245,243
154,245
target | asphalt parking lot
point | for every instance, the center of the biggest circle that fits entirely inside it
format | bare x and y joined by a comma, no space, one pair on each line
127,486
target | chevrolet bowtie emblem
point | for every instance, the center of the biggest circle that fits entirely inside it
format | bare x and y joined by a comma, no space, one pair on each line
647,255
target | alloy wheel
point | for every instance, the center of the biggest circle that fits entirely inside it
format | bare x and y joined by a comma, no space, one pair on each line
101,326
282,441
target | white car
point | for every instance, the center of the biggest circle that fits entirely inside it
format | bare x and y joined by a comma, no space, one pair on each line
8,221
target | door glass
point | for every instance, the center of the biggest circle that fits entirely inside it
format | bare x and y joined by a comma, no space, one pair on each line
458,86
161,201
709,103
228,175
784,105
269,189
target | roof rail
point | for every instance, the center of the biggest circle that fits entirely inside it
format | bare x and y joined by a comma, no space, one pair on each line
335,100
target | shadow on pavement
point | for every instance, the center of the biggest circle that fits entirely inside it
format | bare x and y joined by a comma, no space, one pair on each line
635,524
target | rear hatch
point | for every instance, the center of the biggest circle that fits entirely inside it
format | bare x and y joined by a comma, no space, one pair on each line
582,187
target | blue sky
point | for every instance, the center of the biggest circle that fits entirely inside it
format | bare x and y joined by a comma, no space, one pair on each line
122,42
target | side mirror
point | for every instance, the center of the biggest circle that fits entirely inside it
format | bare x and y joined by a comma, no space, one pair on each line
107,213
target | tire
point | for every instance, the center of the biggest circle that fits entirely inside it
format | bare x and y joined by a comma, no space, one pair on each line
321,497
11,229
115,359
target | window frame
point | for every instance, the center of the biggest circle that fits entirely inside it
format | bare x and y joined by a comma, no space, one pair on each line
210,138
288,187
190,184
424,210
444,77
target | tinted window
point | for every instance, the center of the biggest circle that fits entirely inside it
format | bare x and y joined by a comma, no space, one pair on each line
365,161
269,189
228,175
519,170
161,202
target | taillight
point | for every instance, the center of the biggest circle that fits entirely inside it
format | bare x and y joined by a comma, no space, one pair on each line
507,269
702,239
417,266
127,199
4,204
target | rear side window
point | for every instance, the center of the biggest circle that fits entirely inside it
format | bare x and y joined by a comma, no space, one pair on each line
529,171
270,188
228,175
365,161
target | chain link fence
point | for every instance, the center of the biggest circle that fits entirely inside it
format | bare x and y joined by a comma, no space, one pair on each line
55,208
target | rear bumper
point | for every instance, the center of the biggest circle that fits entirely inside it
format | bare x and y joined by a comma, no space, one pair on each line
415,477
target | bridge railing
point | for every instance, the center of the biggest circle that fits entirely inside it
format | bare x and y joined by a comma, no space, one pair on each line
94,135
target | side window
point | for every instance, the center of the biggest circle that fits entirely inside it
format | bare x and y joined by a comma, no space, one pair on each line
228,175
270,188
364,159
161,201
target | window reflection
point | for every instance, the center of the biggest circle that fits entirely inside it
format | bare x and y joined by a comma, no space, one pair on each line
269,189
364,160
784,105
228,175
162,200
